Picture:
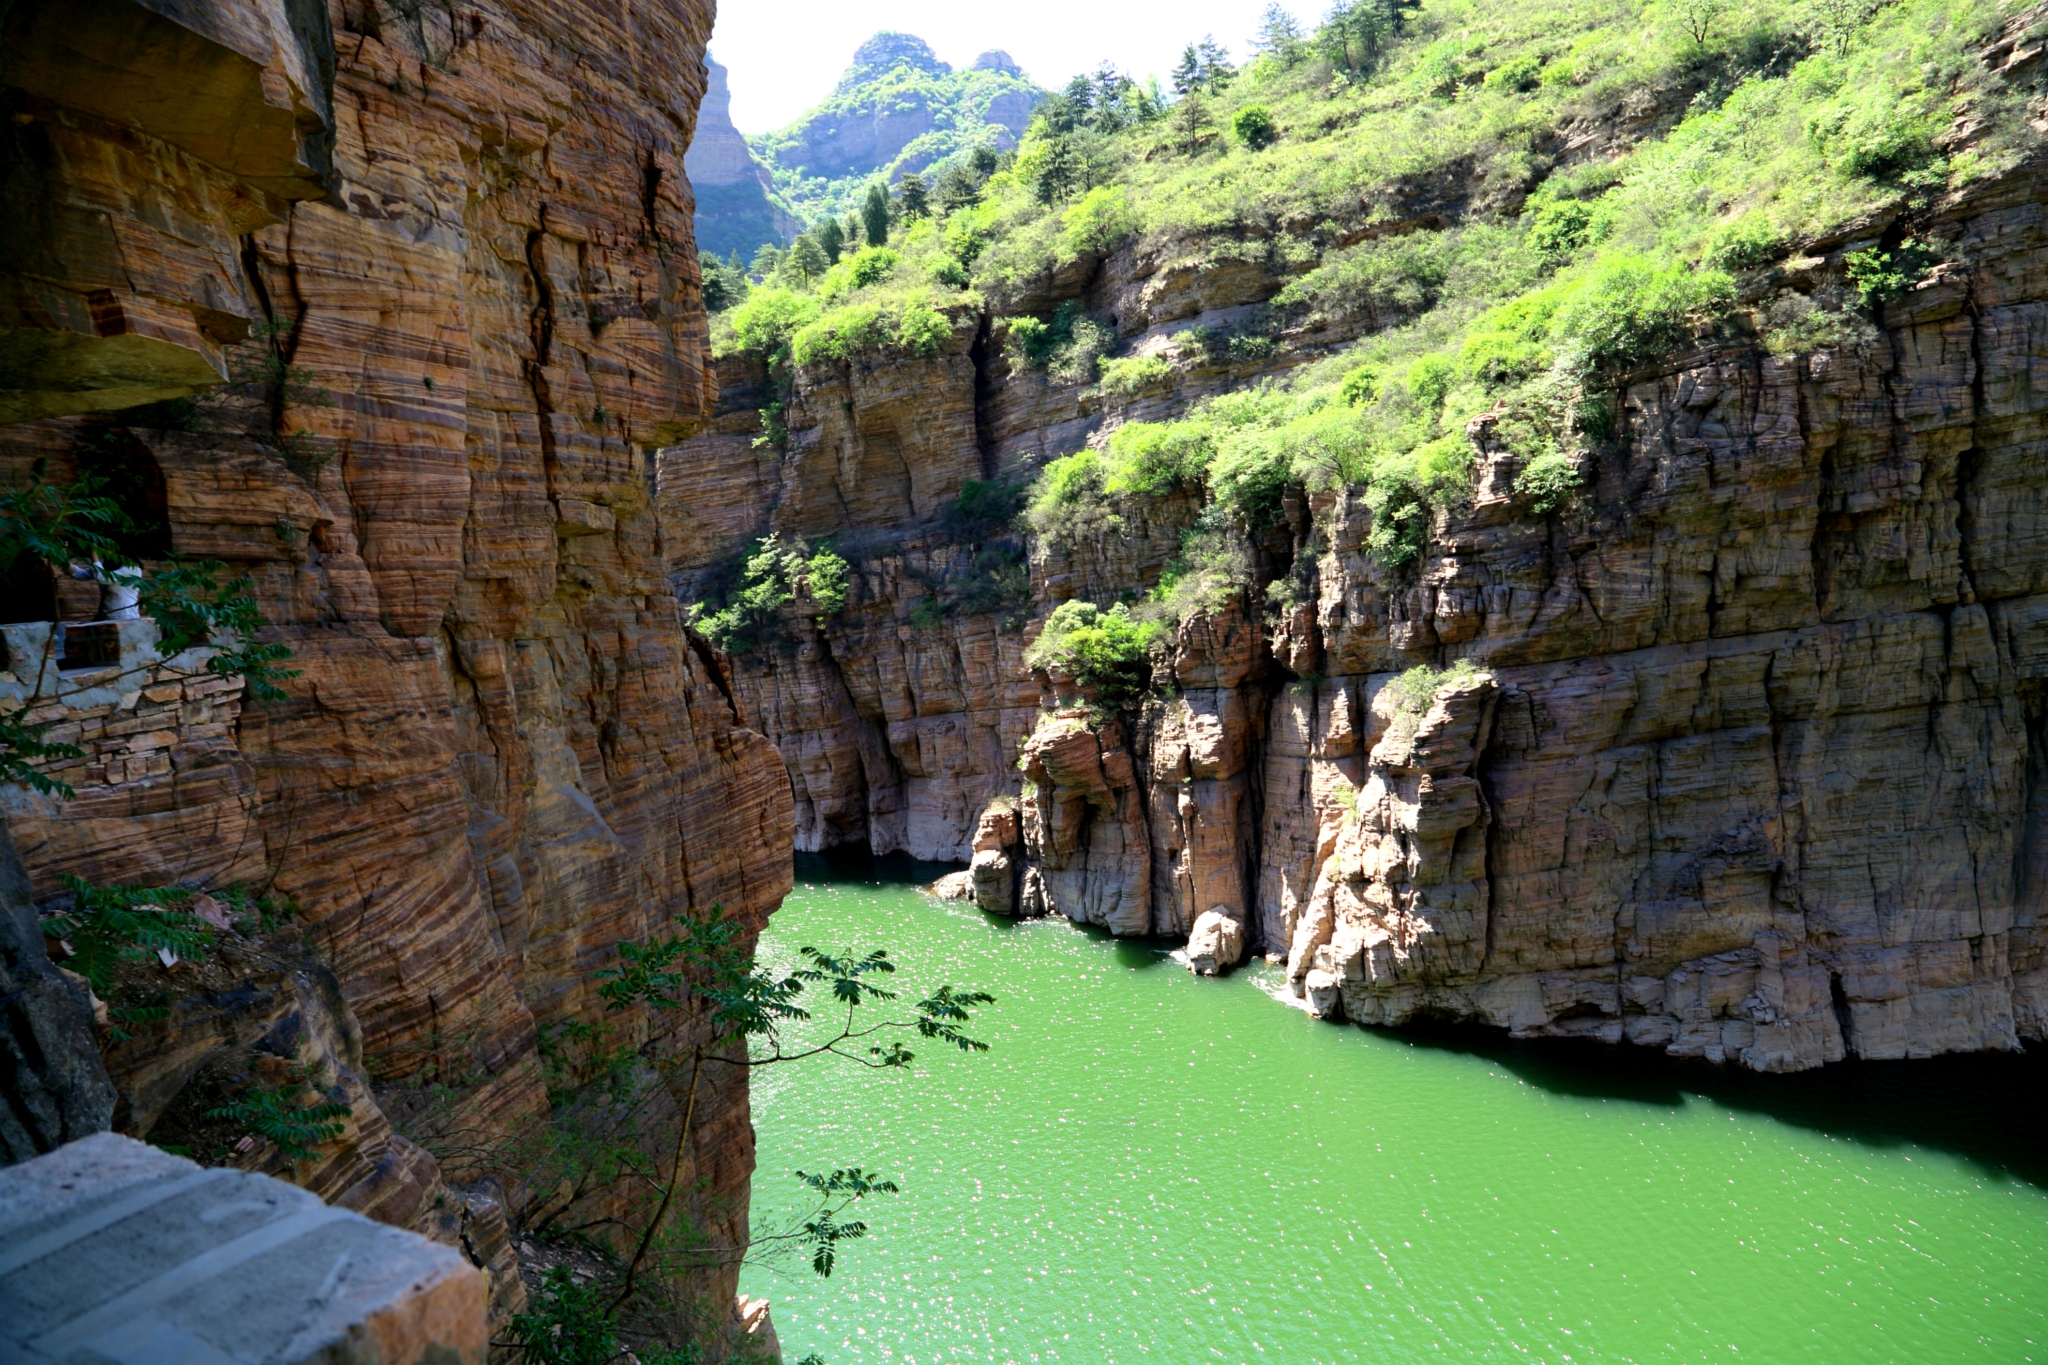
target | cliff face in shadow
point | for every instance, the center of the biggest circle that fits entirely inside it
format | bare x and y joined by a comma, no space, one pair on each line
1748,765
458,242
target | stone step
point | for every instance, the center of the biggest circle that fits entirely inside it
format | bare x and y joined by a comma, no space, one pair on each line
113,1250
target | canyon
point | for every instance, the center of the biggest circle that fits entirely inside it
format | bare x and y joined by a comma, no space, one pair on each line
395,312
1749,766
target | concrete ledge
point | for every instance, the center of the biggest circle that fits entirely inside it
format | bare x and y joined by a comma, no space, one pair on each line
112,1250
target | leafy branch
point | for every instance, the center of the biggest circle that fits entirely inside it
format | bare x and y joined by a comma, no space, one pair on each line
705,977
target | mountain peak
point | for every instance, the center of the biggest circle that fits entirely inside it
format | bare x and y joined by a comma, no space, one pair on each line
886,50
995,59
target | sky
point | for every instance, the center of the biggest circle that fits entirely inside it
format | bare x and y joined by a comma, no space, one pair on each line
785,55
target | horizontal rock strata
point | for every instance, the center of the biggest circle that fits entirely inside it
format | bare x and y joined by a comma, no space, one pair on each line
1750,772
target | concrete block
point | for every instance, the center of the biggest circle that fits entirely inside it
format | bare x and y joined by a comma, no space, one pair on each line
112,1250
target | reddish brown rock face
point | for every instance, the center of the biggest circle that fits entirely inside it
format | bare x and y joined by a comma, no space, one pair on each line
1750,771
503,753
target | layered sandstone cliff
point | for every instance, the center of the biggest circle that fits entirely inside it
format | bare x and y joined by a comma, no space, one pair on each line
1748,768
464,234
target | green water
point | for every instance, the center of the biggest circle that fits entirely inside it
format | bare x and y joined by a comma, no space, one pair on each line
1148,1167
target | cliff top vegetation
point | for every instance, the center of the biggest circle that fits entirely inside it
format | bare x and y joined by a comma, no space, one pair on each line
1512,208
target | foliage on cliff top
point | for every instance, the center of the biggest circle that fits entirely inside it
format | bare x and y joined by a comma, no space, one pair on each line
1770,126
1108,652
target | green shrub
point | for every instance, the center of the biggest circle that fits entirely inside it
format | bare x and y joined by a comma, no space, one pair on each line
841,334
985,507
1255,127
870,265
1559,227
1516,75
769,579
1068,503
1549,482
1631,310
1097,223
1383,279
1429,379
1154,458
1108,652
1067,347
1745,244
769,317
1880,276
108,925
923,329
1213,566
1416,689
1794,324
1135,374
1361,384
292,1115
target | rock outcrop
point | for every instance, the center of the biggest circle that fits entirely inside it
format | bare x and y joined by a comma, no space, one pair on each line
1748,768
736,207
447,255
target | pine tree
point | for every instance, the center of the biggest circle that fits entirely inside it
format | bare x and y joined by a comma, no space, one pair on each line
832,238
1188,74
874,215
911,195
1191,122
1217,72
1280,37
806,258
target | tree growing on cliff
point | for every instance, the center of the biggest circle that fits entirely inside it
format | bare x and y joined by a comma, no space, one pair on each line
832,237
703,983
874,215
912,197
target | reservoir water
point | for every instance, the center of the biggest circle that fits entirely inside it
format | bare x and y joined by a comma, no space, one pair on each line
1151,1167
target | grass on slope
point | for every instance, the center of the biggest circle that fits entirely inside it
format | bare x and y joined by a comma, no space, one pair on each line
1517,206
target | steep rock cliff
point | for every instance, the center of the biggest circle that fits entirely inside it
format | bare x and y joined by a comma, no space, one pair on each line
1749,767
736,208
470,248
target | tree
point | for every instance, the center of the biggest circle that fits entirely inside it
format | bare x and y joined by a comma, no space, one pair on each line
1839,21
851,228
874,215
1217,72
1060,171
1280,36
1697,17
1191,122
1254,126
1188,75
725,282
1357,33
958,188
832,239
806,259
767,260
910,194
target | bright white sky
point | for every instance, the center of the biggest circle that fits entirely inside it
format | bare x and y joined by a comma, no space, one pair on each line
785,55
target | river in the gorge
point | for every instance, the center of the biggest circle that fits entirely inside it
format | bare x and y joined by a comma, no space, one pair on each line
1151,1167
